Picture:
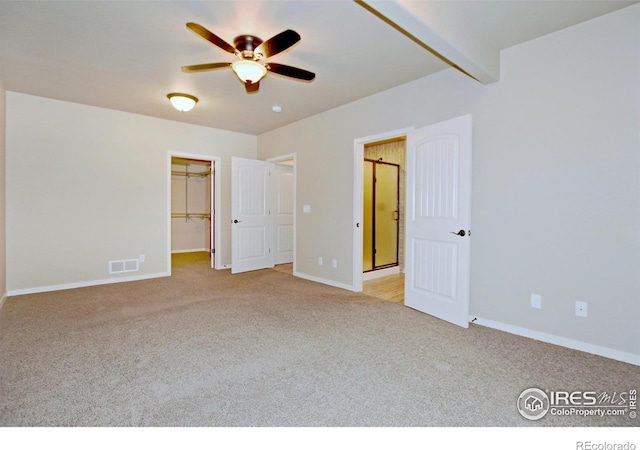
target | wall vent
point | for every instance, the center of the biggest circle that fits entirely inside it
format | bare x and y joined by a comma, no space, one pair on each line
124,265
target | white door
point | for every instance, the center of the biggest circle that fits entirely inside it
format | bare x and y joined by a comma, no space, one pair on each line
212,209
251,229
438,220
283,213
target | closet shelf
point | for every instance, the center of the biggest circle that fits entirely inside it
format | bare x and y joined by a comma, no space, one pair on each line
191,216
187,174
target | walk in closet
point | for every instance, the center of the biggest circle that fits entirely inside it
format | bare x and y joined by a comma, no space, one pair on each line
191,205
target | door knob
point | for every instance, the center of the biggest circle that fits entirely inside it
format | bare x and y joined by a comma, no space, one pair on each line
459,233
236,221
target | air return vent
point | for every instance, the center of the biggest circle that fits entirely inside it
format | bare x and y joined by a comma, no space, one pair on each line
124,265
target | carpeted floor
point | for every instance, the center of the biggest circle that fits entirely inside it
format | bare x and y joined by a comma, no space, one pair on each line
207,348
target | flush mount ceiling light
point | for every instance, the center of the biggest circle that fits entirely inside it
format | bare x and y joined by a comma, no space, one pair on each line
182,102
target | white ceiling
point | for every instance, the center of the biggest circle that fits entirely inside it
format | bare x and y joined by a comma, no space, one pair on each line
126,55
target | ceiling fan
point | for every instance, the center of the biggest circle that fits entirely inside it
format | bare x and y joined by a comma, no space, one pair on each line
250,50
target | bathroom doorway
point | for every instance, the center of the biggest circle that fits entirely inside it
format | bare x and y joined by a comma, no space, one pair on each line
383,208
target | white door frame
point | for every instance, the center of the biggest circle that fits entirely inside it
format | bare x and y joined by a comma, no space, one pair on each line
276,160
358,194
215,164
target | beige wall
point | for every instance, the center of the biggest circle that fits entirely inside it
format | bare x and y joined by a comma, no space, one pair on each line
87,185
3,217
556,178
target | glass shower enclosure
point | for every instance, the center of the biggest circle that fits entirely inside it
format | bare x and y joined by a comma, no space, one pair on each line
381,215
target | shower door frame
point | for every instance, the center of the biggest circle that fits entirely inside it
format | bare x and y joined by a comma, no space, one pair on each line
374,220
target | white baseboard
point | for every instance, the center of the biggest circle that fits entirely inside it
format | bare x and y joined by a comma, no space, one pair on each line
192,250
60,287
618,355
324,281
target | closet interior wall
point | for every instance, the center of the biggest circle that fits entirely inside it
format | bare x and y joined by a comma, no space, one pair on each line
394,152
190,206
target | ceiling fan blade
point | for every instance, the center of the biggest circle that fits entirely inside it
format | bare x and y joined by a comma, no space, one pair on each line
291,72
252,87
203,67
210,37
278,43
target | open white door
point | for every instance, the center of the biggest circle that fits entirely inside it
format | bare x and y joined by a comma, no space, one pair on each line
283,208
212,216
438,218
251,229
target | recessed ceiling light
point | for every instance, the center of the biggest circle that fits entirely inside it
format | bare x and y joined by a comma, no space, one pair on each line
276,108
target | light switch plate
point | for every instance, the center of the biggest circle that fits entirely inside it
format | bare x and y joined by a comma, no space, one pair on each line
536,301
581,309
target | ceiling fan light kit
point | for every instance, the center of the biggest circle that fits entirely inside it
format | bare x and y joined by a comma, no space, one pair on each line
249,70
182,102
250,50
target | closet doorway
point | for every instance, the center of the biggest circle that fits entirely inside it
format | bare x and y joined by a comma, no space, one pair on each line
193,198
383,208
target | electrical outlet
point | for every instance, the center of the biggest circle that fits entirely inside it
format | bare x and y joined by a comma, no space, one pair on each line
141,258
319,260
536,301
581,309
334,263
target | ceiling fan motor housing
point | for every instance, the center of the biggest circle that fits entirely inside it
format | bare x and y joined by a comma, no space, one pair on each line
246,44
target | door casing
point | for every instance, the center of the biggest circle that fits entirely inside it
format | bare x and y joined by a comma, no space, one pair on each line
215,186
358,194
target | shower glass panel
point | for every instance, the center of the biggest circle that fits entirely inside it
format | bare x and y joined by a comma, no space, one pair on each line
380,226
386,220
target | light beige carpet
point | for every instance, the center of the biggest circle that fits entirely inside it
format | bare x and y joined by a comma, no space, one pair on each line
207,348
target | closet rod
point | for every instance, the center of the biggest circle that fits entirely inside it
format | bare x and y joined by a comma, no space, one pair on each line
206,173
